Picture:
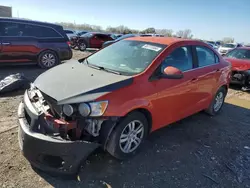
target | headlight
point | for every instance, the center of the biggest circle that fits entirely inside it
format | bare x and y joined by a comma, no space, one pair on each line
84,109
98,108
68,110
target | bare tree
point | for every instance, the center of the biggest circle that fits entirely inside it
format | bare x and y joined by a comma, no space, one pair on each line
148,30
187,34
165,32
228,40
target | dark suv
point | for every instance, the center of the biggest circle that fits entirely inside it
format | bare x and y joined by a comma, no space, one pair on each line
29,41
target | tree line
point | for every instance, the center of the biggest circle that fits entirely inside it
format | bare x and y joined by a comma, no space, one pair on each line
186,33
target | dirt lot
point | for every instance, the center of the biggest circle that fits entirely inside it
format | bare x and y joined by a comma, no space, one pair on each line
200,151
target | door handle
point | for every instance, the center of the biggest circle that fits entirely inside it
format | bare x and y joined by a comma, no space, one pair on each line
218,70
5,43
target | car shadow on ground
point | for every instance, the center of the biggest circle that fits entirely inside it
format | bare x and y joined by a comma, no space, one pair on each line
199,151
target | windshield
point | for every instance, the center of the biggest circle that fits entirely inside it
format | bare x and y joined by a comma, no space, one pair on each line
126,57
229,45
239,54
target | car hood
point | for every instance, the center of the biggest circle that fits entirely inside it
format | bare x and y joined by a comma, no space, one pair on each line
74,82
239,64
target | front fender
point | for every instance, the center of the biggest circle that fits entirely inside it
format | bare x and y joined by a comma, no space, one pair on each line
129,106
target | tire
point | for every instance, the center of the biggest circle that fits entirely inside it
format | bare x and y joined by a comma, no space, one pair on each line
82,46
48,59
116,145
214,108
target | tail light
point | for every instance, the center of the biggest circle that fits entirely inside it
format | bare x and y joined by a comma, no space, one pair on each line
68,42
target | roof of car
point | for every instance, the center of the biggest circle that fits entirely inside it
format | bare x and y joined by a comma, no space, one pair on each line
27,21
160,40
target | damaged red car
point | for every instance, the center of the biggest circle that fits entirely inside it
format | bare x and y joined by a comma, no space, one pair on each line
240,60
116,97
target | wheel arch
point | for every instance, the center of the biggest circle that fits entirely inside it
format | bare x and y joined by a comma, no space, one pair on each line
48,49
146,113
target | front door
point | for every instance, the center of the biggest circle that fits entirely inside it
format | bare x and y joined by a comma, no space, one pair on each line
175,98
95,41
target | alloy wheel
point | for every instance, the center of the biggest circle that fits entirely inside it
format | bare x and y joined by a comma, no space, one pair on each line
218,101
48,60
131,136
82,46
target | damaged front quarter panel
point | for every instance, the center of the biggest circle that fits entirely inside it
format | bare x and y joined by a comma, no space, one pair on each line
49,151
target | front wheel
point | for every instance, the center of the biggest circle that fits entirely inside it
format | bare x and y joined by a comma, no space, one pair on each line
82,46
217,102
128,135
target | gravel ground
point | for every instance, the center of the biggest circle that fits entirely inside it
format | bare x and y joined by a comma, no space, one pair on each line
199,151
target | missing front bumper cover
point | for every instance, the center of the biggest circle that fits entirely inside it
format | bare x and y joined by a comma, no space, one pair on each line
51,154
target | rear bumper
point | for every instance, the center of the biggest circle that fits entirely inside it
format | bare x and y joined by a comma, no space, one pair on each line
66,54
51,154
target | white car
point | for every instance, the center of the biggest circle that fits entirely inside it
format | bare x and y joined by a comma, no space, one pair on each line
213,46
224,48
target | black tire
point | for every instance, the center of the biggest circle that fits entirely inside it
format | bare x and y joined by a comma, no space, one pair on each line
82,45
113,145
48,64
211,109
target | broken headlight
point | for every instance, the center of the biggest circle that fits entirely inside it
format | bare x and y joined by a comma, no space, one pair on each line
93,109
98,108
68,109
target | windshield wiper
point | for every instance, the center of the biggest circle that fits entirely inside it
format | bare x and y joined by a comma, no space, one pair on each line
102,68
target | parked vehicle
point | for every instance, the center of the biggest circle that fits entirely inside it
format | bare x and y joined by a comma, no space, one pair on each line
223,49
107,43
213,45
117,96
151,35
70,33
26,41
92,40
240,60
81,33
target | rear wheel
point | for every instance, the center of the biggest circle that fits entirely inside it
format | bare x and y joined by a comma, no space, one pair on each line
48,59
128,136
217,102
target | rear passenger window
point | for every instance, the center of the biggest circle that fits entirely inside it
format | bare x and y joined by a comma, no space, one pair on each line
180,58
41,32
13,29
206,56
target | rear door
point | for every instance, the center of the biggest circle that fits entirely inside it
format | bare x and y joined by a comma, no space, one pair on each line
17,46
1,36
208,73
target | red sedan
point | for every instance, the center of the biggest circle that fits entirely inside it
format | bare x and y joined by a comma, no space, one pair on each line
240,60
116,97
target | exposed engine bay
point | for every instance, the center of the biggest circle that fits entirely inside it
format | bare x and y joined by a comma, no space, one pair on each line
58,124
241,77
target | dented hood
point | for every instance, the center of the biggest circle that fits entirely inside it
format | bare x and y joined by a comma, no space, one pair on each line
74,82
239,64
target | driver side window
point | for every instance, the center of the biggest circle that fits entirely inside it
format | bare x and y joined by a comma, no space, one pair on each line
180,58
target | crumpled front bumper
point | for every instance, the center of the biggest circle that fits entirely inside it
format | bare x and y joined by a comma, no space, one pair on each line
47,153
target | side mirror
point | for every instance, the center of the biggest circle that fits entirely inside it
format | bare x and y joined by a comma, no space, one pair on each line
172,73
